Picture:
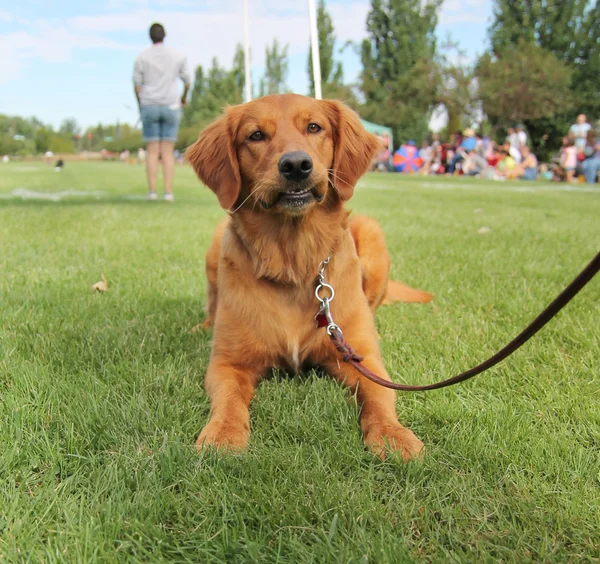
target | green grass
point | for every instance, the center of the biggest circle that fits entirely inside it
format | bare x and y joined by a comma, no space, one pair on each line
102,397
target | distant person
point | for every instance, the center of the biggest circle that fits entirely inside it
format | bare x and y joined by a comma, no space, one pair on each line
564,170
426,154
512,138
591,158
521,137
579,131
468,143
527,169
155,75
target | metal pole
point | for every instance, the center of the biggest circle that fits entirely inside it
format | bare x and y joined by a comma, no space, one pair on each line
247,80
314,43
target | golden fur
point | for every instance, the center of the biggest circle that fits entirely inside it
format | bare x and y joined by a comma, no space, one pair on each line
264,258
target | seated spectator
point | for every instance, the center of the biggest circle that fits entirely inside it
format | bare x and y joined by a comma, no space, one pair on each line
437,166
449,158
578,131
468,144
426,154
487,148
527,169
545,173
591,158
506,164
455,140
474,164
380,161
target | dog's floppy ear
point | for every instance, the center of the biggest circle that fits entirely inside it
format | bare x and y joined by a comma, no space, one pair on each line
214,159
354,147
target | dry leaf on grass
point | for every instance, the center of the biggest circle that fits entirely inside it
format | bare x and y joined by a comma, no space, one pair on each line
483,230
101,286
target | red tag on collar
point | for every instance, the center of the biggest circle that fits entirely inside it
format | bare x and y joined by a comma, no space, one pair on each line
321,320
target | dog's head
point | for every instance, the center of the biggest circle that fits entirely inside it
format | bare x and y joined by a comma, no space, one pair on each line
283,153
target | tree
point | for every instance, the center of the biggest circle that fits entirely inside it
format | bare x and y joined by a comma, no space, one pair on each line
238,71
211,92
570,30
61,144
276,70
69,126
455,87
398,67
332,72
524,83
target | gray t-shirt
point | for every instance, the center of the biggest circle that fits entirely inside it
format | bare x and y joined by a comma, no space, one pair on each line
156,71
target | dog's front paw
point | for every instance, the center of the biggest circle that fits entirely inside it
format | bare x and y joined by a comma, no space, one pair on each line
381,437
224,435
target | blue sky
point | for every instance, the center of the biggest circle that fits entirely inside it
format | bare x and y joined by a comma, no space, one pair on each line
74,58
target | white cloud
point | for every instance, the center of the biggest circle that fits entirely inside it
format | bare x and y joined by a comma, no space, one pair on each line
46,42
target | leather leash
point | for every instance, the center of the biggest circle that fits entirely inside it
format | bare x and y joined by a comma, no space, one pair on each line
324,319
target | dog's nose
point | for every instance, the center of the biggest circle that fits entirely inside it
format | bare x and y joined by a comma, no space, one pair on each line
295,166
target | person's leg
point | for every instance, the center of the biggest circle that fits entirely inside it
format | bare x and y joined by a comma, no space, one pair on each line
590,169
168,164
152,151
570,174
151,132
457,159
168,135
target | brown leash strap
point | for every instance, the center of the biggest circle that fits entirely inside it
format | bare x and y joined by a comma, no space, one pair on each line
349,356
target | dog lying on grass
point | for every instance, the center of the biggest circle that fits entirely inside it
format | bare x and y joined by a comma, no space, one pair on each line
283,166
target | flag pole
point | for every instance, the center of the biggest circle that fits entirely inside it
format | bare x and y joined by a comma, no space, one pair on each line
247,79
314,44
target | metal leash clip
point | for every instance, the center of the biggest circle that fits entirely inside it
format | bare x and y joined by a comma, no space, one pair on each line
323,317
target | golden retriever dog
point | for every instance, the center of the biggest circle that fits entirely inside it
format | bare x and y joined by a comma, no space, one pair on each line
283,166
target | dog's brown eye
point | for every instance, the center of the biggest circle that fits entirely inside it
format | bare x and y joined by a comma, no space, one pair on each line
257,136
313,128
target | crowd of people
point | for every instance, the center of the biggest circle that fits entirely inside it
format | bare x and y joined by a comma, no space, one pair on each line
469,154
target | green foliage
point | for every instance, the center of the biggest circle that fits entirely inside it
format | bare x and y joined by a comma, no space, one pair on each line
523,82
276,69
398,65
332,72
570,30
69,126
124,137
61,144
454,86
210,94
25,137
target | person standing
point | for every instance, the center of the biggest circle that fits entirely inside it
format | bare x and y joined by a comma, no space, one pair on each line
579,131
155,76
521,137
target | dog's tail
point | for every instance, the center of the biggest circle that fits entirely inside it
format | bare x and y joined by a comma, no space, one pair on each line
398,292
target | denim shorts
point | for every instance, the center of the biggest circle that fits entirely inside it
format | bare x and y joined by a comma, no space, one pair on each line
160,123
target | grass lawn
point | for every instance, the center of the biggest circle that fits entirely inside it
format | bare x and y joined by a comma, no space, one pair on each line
102,397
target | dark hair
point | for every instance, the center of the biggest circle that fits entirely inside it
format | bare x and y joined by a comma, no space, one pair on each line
157,33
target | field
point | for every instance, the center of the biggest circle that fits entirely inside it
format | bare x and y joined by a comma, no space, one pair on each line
102,397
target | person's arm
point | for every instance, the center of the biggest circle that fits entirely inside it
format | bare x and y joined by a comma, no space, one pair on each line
137,89
138,79
186,89
184,74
